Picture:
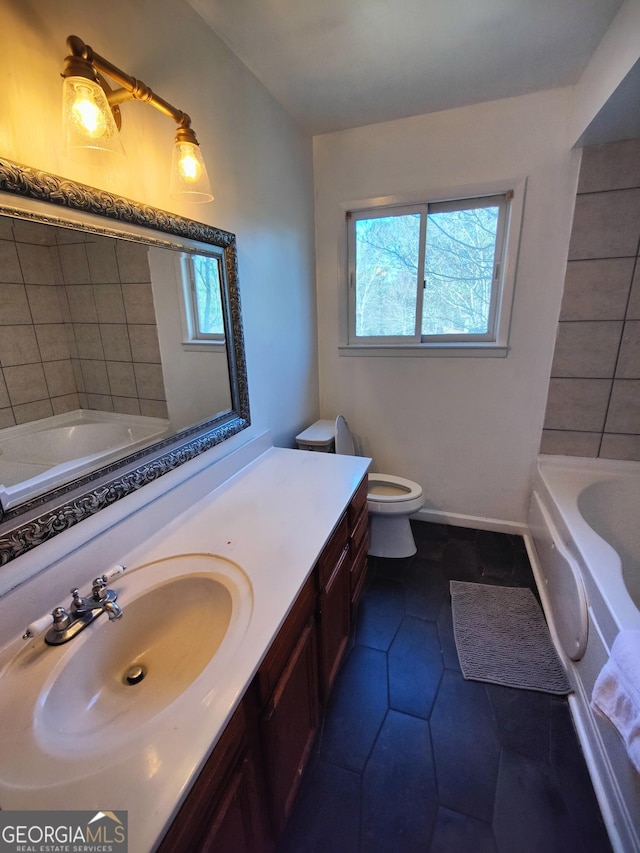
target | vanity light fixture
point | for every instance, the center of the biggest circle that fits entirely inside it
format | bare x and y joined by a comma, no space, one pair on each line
91,117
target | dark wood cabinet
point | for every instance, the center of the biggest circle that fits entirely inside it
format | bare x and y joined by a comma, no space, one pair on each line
288,690
242,798
225,810
358,517
334,610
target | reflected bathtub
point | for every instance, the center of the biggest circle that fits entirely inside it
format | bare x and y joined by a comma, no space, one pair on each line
39,455
584,545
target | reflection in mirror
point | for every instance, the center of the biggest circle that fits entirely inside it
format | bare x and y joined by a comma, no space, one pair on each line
117,345
90,324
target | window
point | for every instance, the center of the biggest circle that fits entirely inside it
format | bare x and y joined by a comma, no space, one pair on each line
430,274
203,318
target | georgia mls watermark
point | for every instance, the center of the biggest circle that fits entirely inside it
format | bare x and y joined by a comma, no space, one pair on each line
63,832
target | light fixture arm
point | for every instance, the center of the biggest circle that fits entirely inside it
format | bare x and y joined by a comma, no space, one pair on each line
85,62
91,117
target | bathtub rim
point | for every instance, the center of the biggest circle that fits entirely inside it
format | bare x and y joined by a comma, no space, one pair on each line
12,496
566,477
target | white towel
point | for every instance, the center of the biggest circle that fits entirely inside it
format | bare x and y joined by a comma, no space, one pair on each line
617,691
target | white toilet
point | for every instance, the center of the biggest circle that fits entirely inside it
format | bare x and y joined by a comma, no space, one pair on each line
391,500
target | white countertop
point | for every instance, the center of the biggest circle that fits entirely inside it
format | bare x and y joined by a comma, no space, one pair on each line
272,518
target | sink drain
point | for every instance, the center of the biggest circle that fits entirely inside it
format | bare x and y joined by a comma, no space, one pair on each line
134,674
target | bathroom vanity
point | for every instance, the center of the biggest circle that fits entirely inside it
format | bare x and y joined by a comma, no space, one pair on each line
195,711
219,765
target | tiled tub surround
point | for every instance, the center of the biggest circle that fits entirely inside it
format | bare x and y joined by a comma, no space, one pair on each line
593,407
77,325
264,516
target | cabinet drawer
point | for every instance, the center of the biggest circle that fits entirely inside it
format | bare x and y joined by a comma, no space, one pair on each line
332,552
358,501
359,571
276,658
359,531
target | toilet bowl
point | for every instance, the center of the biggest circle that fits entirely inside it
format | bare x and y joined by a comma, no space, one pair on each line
391,500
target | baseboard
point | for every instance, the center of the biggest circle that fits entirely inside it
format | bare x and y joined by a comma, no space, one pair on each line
476,522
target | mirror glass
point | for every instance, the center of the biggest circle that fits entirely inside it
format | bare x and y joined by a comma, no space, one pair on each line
120,341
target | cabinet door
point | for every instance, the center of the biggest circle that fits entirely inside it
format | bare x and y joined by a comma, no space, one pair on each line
334,622
225,810
289,724
236,825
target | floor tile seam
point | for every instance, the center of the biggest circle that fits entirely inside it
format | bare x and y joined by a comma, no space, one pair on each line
413,716
435,769
496,781
382,722
431,707
488,823
373,745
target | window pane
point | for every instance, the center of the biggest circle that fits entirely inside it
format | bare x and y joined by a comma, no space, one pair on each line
459,262
386,275
206,272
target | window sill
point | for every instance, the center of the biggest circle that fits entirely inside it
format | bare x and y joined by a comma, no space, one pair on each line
202,346
441,350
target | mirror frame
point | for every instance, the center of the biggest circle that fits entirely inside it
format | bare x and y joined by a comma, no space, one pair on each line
41,518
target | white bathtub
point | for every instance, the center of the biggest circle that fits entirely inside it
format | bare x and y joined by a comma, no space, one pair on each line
41,454
584,545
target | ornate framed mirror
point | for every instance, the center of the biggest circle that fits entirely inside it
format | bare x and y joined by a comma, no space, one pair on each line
121,350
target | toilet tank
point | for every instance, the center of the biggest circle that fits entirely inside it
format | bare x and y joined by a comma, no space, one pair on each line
320,437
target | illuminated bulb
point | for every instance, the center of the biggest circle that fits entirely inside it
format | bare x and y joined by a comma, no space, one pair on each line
188,163
87,118
87,113
189,179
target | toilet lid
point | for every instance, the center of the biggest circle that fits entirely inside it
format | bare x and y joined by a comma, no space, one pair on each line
387,488
344,439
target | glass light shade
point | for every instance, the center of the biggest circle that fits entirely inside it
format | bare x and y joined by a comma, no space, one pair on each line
87,119
189,179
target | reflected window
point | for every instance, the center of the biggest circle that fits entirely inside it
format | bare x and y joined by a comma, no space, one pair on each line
202,291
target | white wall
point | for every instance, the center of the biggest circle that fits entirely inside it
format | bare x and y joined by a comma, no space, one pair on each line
467,429
259,163
617,53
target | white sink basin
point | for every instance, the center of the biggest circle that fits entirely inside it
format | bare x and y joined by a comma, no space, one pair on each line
183,619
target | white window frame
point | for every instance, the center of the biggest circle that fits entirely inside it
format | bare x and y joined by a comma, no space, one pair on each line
192,337
493,344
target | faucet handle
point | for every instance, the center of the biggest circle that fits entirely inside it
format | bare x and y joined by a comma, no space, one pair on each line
61,619
112,573
37,627
98,588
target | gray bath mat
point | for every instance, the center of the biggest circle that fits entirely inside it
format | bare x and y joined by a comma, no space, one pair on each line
502,637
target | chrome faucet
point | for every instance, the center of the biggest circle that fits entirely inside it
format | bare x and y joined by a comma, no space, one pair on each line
68,623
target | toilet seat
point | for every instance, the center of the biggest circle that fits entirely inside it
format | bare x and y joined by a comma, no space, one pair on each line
387,488
393,495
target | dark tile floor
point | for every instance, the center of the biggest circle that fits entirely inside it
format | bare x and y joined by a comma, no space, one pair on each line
412,757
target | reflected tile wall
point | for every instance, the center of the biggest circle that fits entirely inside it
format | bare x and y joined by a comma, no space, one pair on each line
593,405
77,325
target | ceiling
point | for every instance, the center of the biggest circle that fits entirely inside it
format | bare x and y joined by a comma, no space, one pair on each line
335,64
